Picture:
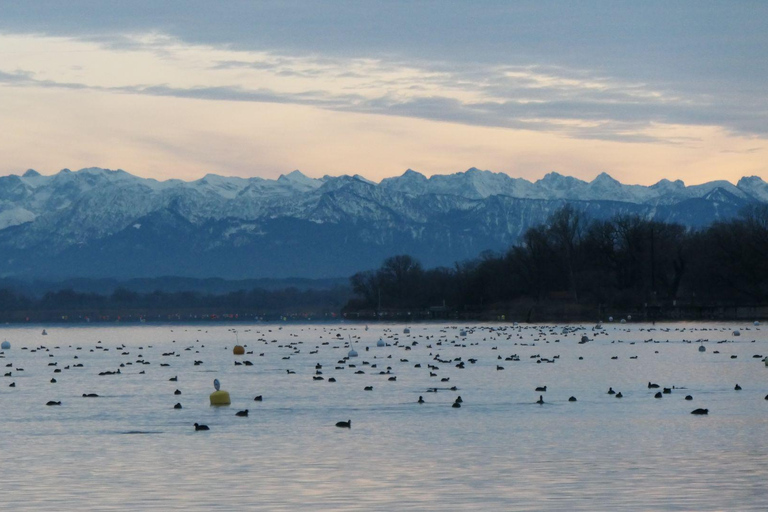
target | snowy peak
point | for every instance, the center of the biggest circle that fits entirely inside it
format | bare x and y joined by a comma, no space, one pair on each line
411,183
486,183
298,182
363,179
605,180
556,180
555,185
294,177
472,184
755,187
721,195
411,174
223,186
667,186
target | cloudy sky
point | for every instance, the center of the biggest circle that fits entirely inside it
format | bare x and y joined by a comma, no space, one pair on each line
641,90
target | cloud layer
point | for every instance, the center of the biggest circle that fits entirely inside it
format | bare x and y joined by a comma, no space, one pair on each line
583,71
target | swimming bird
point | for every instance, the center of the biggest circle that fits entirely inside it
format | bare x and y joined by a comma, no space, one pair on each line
344,424
257,399
456,405
368,388
177,392
652,385
53,403
611,391
201,427
177,406
174,379
572,399
458,399
737,388
619,395
242,413
421,399
540,400
700,411
688,397
658,395
541,388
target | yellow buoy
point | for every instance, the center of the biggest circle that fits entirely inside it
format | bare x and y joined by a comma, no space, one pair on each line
220,398
238,350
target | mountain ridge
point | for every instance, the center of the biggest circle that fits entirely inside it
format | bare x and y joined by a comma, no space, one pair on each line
111,224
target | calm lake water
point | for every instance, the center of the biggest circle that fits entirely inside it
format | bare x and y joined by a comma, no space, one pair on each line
130,449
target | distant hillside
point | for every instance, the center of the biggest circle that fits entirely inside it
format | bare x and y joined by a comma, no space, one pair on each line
104,224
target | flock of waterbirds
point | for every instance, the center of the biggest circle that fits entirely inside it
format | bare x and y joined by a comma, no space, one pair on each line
422,351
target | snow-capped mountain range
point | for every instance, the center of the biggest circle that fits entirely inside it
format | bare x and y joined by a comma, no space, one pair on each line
103,223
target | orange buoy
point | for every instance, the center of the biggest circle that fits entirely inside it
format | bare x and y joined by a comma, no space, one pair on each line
238,350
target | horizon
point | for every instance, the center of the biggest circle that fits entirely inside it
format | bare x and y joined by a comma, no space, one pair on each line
409,170
179,90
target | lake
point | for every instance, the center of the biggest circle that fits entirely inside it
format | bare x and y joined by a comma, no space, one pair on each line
129,448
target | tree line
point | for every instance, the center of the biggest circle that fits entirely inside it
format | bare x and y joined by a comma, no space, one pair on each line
255,303
623,263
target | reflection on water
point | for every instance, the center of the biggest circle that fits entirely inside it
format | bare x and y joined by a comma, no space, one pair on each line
129,449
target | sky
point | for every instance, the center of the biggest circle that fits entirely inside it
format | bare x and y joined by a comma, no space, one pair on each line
178,89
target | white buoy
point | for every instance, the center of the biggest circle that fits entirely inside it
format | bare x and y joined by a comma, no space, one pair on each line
381,343
406,331
757,324
352,353
462,333
702,348
623,321
629,317
610,319
737,333
5,345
